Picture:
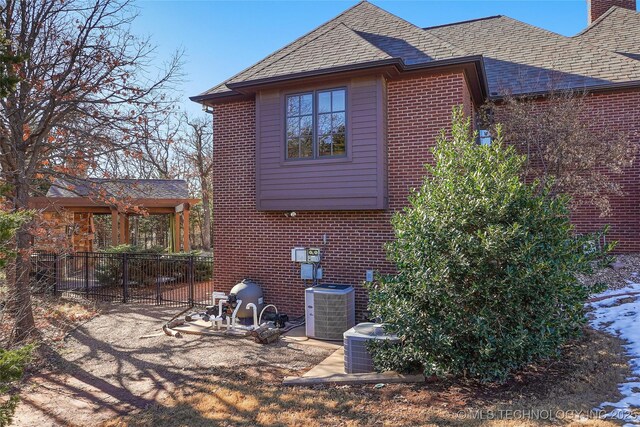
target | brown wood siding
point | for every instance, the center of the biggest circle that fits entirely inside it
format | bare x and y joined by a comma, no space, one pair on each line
354,182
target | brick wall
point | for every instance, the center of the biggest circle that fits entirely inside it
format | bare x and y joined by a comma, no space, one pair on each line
619,111
597,8
253,244
256,245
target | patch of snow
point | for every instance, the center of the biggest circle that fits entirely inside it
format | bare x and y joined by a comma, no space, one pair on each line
617,312
630,288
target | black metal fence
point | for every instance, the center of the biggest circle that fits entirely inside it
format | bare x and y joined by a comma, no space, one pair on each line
173,279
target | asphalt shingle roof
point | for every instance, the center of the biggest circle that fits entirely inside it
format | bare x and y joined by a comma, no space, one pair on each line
618,31
521,58
518,57
121,188
361,34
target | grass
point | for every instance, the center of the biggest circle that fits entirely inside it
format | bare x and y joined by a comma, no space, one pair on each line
587,375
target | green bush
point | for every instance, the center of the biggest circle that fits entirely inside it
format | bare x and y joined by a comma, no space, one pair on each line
146,265
12,364
486,267
142,271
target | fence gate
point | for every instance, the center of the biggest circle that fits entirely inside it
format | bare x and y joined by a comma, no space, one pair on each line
173,279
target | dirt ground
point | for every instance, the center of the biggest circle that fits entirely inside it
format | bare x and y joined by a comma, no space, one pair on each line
624,269
104,369
556,393
106,374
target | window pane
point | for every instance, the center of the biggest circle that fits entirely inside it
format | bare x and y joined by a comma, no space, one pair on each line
306,146
293,127
338,100
292,148
324,145
306,104
293,106
339,144
338,120
324,102
324,124
306,125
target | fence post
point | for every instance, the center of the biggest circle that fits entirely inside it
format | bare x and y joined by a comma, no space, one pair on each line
157,278
125,277
191,280
86,274
55,274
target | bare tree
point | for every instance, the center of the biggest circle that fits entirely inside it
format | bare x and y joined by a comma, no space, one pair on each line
156,138
582,161
197,150
86,82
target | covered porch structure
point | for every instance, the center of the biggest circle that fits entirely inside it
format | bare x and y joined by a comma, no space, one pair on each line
80,200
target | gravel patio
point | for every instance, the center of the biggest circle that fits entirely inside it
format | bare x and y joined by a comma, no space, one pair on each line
104,369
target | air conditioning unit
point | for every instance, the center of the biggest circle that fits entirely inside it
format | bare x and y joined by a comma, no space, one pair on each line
329,310
357,359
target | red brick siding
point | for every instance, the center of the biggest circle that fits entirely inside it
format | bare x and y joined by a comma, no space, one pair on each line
597,8
417,109
253,244
620,111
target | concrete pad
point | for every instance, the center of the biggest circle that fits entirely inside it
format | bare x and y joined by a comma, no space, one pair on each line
332,365
331,370
298,336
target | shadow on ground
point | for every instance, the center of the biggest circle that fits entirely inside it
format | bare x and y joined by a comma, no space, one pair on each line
106,369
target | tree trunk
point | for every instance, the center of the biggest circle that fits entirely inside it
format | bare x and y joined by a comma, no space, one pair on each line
25,324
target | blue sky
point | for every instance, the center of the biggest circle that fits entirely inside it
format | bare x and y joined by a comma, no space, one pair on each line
221,38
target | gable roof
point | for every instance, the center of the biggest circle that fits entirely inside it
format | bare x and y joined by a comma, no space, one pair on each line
120,188
517,57
363,34
522,58
617,30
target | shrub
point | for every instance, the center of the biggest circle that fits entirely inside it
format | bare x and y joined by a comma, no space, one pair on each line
12,364
141,270
486,267
146,265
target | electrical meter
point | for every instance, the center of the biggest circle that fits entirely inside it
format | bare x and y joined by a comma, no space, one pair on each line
305,255
313,255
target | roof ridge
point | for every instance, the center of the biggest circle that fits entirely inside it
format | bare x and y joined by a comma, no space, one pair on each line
597,21
273,54
462,51
463,22
311,40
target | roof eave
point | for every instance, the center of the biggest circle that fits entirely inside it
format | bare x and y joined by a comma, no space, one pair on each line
201,99
246,88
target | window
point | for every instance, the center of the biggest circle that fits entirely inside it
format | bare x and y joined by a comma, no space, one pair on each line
316,124
300,126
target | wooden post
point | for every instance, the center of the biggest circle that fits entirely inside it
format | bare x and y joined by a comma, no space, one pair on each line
127,234
114,228
122,227
176,232
185,229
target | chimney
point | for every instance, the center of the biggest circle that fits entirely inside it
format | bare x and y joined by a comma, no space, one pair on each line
597,8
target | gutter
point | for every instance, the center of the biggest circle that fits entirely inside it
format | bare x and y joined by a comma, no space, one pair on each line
241,88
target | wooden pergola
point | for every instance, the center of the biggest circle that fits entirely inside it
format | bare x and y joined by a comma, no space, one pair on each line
177,207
